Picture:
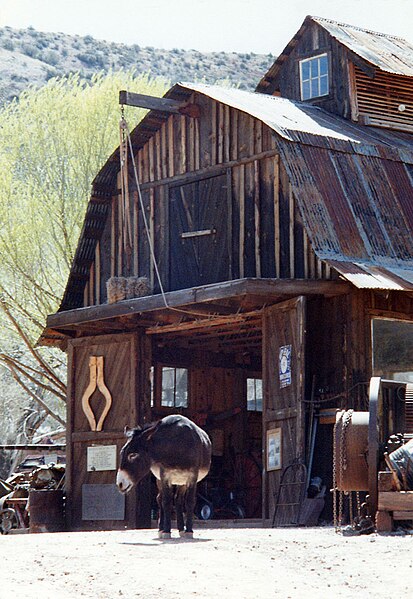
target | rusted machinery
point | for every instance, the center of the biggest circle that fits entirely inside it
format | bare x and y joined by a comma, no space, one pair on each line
362,443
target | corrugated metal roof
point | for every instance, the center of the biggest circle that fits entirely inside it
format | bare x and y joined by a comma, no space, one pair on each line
307,124
387,52
366,276
354,185
358,213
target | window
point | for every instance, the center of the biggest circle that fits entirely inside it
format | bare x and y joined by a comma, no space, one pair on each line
314,77
254,395
174,387
393,349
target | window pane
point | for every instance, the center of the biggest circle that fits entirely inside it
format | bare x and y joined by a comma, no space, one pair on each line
306,90
305,70
254,395
314,68
152,377
258,395
314,88
181,392
168,386
393,349
324,85
314,77
250,395
323,64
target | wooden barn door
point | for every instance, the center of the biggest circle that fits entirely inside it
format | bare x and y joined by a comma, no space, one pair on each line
103,369
198,221
283,381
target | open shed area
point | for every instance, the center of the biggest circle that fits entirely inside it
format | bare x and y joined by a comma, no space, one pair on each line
235,563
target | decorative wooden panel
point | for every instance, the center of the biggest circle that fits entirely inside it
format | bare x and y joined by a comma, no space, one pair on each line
129,405
283,327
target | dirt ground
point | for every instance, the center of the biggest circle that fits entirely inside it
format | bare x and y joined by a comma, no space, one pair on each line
230,563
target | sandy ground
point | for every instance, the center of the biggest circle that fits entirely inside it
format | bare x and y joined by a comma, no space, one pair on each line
237,563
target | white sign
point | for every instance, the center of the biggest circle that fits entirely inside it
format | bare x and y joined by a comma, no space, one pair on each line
101,457
285,366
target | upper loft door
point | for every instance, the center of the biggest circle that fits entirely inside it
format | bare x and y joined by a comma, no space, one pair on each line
199,239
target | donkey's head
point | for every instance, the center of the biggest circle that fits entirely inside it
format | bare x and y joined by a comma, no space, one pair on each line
135,459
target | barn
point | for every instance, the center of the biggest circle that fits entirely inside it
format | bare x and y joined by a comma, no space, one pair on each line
260,248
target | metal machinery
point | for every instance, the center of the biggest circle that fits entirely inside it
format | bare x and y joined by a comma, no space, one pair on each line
363,440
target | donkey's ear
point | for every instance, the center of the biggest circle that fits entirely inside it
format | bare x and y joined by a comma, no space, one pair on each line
127,431
149,432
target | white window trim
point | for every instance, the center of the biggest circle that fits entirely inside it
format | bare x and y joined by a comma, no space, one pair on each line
301,62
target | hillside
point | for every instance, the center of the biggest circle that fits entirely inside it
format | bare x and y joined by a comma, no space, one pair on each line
30,57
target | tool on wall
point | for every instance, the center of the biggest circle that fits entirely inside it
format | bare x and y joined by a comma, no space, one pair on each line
96,379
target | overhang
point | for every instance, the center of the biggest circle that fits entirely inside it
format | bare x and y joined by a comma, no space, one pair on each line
210,306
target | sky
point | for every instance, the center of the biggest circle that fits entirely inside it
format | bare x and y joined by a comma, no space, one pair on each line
260,26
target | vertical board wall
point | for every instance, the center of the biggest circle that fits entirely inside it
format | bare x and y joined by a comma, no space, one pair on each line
124,376
283,326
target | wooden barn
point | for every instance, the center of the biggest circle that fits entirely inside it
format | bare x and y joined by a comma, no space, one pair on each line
275,235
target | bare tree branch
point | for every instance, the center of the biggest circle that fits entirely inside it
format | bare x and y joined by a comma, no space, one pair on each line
28,344
24,370
35,397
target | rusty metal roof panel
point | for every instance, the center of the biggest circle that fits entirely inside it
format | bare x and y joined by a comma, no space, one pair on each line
365,276
386,52
358,212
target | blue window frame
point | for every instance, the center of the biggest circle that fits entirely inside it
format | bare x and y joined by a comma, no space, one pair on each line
314,78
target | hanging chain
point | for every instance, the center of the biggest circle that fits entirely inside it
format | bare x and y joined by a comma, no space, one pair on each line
345,420
334,489
358,502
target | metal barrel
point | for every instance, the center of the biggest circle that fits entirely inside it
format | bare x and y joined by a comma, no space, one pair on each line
402,461
351,446
46,510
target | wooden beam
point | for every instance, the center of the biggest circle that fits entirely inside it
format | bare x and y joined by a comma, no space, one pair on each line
44,448
262,290
396,501
213,321
160,104
149,102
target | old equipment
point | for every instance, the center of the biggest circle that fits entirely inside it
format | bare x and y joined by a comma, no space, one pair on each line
362,445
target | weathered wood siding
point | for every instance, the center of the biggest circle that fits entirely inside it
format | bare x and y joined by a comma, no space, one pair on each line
358,91
314,41
224,174
126,375
384,100
283,326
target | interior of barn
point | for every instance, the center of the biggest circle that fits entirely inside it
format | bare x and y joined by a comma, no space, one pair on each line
213,375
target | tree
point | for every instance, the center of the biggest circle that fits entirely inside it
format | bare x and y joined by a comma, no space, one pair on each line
53,141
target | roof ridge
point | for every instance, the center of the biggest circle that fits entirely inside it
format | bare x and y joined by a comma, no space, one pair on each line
357,28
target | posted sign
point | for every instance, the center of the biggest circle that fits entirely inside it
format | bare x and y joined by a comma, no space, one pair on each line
285,366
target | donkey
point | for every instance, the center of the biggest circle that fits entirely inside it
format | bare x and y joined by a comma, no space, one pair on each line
177,452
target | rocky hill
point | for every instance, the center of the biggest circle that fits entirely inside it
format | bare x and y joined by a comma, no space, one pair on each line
29,57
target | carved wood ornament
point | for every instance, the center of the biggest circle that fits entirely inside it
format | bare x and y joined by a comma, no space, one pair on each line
96,379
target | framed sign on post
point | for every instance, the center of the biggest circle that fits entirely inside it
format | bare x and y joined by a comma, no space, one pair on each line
274,461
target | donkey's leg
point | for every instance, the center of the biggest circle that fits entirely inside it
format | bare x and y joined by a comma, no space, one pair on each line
167,502
160,508
179,505
190,506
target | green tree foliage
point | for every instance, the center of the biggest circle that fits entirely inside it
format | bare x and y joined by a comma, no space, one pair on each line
53,141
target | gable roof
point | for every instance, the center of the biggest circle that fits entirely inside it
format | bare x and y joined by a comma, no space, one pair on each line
354,187
385,52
